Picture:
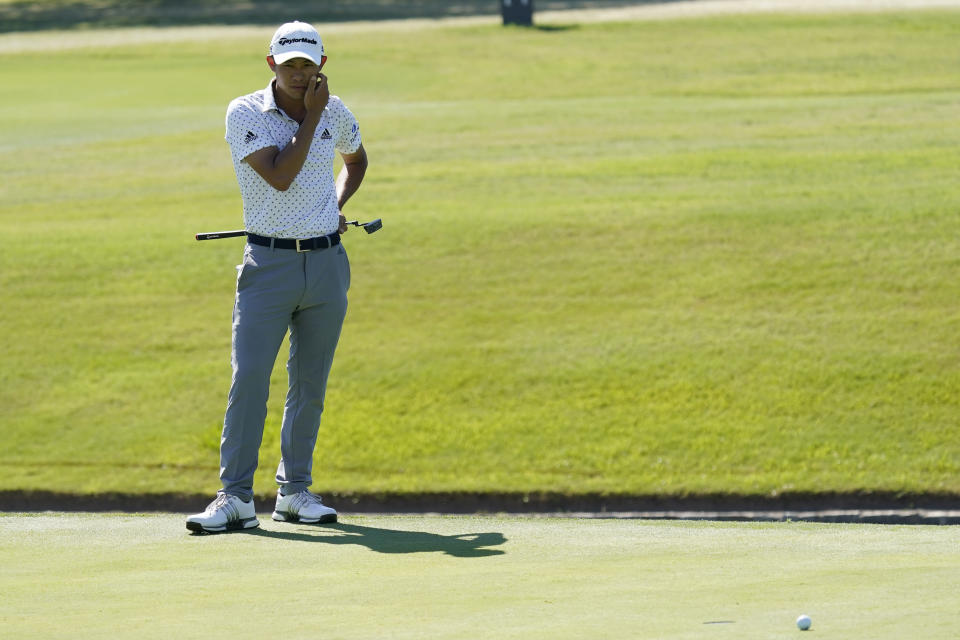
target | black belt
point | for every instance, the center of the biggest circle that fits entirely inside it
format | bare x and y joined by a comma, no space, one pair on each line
321,242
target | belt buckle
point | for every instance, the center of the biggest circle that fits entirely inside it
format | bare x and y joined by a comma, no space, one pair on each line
299,250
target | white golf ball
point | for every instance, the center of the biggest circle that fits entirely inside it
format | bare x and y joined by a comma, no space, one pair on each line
804,622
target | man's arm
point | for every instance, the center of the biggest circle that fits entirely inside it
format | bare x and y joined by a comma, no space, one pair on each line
354,168
280,167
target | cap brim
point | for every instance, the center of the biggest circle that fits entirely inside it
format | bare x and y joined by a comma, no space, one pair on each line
280,58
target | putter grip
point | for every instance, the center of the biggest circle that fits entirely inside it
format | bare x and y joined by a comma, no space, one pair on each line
213,235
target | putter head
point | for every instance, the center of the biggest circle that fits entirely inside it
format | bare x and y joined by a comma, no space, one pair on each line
373,225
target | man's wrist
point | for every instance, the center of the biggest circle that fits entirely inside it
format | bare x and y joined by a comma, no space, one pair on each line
310,121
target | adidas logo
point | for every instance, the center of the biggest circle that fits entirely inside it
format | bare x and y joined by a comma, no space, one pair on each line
325,135
251,136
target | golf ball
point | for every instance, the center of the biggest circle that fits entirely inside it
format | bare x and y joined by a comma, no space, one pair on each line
804,622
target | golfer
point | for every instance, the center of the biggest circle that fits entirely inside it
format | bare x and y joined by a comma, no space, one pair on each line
295,274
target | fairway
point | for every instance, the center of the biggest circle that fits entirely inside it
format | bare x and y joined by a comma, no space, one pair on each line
679,257
96,576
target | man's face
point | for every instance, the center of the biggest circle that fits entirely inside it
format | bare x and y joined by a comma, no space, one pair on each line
293,76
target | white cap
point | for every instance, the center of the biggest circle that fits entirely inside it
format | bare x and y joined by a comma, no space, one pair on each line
296,40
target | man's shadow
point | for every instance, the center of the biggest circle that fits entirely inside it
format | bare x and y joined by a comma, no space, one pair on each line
467,545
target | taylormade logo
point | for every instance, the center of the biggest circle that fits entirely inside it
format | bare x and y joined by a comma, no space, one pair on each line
282,42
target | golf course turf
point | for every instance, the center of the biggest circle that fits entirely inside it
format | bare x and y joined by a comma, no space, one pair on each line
111,575
711,260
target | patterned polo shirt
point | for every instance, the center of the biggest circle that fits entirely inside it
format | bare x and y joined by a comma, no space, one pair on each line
309,207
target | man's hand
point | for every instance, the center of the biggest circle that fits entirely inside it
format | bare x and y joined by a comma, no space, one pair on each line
343,225
317,95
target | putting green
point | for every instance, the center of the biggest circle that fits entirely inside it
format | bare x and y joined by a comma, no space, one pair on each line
97,576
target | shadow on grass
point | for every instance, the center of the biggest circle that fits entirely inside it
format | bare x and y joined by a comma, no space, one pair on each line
550,28
466,545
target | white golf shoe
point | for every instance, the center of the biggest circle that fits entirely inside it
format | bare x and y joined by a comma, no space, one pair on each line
303,507
225,513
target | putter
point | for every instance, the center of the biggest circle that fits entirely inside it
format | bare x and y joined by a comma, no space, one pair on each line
369,227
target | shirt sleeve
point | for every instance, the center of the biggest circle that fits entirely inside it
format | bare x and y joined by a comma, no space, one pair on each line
246,130
348,140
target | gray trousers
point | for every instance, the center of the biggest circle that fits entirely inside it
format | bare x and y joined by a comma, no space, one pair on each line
279,289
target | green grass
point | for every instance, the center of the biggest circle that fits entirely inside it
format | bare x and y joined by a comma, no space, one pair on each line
95,576
714,255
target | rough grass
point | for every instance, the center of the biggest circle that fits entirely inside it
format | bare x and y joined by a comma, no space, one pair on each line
704,255
32,15
20,15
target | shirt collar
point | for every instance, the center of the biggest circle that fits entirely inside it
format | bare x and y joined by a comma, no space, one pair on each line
269,101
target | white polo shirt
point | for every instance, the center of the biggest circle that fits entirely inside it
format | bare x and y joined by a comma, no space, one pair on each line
309,207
